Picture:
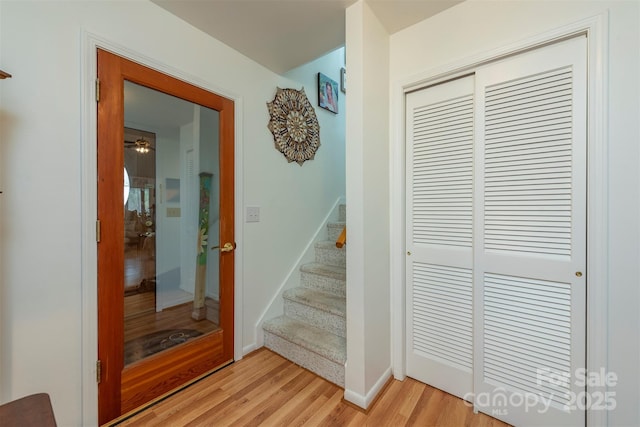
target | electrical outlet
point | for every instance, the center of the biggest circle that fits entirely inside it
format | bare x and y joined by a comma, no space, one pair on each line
253,214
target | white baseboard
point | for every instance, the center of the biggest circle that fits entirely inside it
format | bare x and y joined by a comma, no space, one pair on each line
248,349
178,297
365,401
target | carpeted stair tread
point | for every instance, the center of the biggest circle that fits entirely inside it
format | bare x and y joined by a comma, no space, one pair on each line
321,342
332,271
321,300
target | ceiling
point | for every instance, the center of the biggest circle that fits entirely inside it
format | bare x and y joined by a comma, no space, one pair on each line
284,34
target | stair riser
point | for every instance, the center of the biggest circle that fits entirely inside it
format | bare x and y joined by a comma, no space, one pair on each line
334,231
324,320
331,256
342,215
324,284
317,364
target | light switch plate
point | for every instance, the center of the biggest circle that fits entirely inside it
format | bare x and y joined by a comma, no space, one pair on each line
253,214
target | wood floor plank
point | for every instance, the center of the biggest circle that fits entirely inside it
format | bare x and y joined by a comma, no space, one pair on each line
296,403
322,412
240,379
423,414
340,415
359,420
185,413
411,393
258,414
454,413
316,400
387,404
227,410
263,389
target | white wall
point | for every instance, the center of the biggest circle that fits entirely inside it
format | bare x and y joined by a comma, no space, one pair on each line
332,126
189,197
476,27
41,149
368,310
168,241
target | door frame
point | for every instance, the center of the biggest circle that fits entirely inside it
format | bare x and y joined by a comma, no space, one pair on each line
596,30
90,43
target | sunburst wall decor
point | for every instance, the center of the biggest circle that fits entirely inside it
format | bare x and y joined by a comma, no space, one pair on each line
294,125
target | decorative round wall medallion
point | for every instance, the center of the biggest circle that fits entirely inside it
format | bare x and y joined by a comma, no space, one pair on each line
294,125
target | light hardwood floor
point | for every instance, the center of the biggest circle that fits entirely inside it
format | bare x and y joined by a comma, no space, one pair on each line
264,389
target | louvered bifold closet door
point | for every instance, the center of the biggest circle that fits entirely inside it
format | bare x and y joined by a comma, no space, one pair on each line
530,247
439,235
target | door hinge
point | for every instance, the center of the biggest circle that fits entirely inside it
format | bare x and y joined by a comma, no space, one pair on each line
97,231
98,371
97,90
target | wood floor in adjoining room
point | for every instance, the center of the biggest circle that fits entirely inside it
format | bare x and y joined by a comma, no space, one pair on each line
177,317
264,389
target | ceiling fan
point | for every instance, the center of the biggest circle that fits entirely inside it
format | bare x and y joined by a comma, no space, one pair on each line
141,145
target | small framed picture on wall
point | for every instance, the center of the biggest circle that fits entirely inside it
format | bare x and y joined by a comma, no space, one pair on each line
327,93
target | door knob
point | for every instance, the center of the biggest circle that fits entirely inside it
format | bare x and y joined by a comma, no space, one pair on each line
228,247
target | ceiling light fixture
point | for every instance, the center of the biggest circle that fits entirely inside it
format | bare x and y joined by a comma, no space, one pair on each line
142,146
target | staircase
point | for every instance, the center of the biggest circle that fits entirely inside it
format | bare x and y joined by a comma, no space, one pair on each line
312,330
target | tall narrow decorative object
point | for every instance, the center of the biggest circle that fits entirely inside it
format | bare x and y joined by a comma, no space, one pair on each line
199,311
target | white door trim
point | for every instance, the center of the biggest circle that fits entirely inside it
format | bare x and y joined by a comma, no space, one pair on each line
89,44
596,30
